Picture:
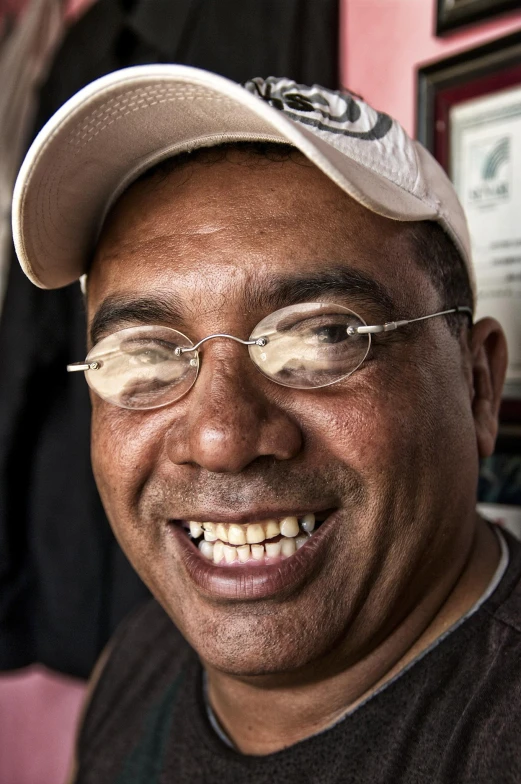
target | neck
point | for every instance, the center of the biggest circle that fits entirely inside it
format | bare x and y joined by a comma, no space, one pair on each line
262,715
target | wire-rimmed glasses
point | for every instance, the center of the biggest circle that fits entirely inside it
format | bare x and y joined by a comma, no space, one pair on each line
304,346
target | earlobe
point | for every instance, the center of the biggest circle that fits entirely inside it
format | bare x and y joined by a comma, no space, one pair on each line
489,364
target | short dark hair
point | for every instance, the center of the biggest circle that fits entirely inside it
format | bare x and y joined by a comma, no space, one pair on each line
434,251
436,254
276,152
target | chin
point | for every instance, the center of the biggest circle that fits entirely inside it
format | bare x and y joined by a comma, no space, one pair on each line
257,646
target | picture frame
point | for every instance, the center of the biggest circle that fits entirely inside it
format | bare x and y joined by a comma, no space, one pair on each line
469,74
453,14
466,102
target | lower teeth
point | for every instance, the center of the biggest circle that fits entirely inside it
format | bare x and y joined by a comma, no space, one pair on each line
285,547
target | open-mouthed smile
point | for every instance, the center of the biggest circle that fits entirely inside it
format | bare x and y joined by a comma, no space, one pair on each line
254,558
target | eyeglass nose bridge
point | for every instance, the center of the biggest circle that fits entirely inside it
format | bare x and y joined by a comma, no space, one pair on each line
258,342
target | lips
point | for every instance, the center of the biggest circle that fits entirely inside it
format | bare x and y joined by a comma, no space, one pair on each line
286,552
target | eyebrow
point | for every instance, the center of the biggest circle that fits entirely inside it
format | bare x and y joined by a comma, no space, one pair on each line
118,311
346,282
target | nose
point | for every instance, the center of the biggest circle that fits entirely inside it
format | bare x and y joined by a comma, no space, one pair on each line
228,421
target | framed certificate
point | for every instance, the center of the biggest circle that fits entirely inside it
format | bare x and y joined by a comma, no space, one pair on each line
469,116
485,166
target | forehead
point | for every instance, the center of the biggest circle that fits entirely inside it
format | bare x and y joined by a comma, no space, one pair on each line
242,220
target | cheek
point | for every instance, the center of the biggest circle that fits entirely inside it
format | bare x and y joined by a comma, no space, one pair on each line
124,445
392,423
365,427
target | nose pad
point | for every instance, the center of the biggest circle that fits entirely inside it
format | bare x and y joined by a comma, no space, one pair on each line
228,420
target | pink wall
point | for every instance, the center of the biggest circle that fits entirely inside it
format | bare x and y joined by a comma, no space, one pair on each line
73,8
382,41
38,717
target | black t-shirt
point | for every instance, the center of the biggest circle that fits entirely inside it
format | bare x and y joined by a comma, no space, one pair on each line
453,716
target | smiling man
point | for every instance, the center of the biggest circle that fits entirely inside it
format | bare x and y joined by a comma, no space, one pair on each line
290,400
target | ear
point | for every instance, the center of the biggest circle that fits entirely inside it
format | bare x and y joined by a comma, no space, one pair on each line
488,347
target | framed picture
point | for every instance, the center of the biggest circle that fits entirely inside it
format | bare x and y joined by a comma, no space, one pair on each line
469,117
452,14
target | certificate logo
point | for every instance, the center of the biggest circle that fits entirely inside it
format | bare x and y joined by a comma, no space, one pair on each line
490,169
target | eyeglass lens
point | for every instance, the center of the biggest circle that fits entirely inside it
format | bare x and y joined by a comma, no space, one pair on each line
138,367
308,345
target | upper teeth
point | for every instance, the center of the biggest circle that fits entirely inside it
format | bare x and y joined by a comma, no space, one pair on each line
252,533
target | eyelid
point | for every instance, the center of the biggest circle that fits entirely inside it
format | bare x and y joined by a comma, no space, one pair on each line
128,323
282,325
154,334
145,341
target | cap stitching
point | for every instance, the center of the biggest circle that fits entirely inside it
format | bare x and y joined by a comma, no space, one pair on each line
139,98
94,130
50,194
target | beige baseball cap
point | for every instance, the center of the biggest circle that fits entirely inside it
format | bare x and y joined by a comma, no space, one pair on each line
114,129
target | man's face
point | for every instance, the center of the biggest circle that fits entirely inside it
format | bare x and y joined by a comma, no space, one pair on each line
388,455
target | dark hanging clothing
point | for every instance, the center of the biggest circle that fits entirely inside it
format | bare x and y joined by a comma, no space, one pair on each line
64,582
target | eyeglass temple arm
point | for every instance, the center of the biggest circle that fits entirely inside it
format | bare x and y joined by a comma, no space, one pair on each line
392,325
77,366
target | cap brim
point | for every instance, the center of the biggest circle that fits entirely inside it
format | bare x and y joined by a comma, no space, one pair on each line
117,127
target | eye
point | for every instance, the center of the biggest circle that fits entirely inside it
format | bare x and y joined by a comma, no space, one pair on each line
322,331
149,353
148,356
330,333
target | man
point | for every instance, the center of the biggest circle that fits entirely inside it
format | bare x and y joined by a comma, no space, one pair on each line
289,404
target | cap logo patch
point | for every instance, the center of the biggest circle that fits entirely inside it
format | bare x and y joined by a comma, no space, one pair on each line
327,110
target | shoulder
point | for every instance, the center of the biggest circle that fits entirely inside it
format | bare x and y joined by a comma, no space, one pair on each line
144,657
490,649
504,606
146,641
